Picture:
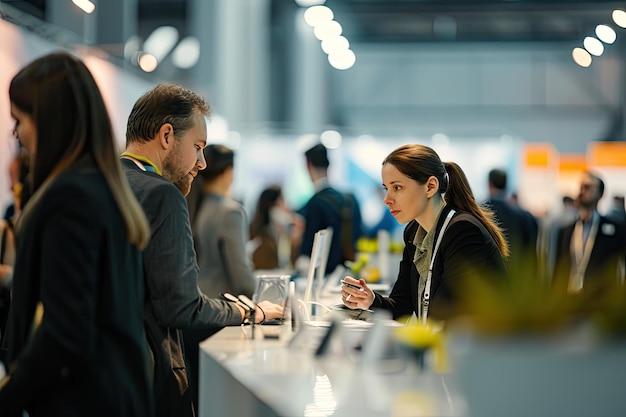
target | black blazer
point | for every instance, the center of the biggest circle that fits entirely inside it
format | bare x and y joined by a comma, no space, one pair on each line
521,230
609,250
89,355
466,247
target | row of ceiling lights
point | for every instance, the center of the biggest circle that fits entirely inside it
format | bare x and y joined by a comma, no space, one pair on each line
329,32
594,45
163,41
186,54
321,18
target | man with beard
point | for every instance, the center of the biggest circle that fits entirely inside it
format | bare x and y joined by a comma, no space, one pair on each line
165,135
590,251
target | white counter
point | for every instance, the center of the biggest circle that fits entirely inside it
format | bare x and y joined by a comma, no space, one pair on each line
243,377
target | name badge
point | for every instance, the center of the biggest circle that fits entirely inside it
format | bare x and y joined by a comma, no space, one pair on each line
608,229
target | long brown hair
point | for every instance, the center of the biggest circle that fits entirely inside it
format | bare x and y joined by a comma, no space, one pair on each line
419,162
261,219
60,94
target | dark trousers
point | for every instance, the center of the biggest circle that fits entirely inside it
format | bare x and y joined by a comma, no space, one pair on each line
191,342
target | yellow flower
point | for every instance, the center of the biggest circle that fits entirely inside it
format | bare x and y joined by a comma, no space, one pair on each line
418,336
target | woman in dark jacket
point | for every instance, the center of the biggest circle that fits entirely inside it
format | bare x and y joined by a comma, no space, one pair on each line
448,234
76,337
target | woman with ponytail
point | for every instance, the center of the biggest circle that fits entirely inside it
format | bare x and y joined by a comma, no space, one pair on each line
449,237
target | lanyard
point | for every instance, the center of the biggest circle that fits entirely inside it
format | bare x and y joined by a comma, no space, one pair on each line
148,165
425,301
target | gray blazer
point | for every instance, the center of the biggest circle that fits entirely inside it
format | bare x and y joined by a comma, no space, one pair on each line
173,300
220,235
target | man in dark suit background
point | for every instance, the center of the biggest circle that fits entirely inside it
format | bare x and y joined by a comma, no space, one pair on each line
328,208
519,226
590,251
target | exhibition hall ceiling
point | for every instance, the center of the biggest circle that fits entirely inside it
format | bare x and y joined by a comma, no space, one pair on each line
485,20
382,21
405,21
365,22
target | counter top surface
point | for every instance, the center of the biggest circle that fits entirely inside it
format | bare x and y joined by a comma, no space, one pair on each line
287,379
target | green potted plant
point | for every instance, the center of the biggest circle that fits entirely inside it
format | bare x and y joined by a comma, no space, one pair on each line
529,349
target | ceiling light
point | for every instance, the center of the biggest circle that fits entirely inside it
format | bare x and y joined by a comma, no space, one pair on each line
327,30
315,15
581,57
619,17
161,41
85,5
187,53
132,46
593,46
342,60
147,62
337,44
605,33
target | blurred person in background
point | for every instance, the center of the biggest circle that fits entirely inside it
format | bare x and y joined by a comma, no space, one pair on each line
220,234
590,251
221,229
76,336
18,173
165,137
570,211
435,200
275,230
328,207
549,229
519,227
617,212
384,219
194,199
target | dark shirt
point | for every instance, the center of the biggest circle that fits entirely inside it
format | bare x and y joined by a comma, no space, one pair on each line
323,210
9,212
521,230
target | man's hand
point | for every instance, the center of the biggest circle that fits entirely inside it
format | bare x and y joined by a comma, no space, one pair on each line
267,310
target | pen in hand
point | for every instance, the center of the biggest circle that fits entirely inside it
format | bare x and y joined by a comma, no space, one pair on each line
348,284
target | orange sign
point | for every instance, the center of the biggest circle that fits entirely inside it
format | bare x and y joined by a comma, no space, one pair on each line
607,154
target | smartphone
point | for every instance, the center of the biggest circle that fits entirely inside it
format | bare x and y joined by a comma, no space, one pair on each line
349,284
